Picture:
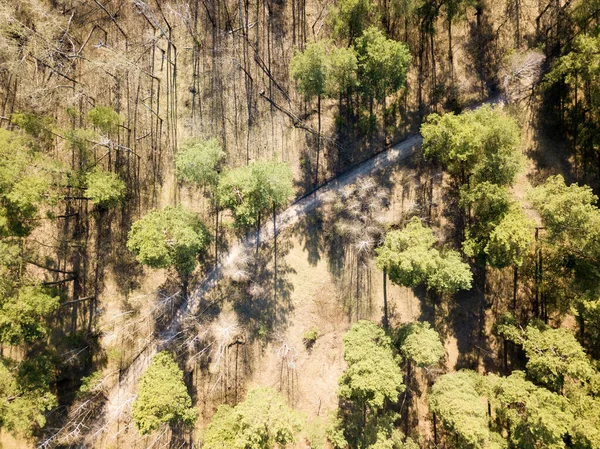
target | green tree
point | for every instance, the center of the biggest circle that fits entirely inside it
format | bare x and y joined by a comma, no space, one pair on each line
26,178
105,118
342,74
262,421
487,204
408,257
256,189
383,64
420,344
533,416
162,396
24,315
476,146
104,188
571,251
198,162
25,394
349,18
309,69
458,401
371,381
553,355
171,237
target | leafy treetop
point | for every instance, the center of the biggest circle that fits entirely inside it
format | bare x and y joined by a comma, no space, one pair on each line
198,162
409,259
420,344
171,237
162,396
372,376
262,421
257,188
104,188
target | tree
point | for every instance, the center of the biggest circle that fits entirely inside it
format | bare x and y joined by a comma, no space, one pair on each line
198,162
26,177
371,381
571,250
342,73
104,188
350,17
25,394
171,237
456,398
162,396
262,421
105,118
383,64
533,416
255,189
23,315
476,146
553,355
408,257
487,204
310,71
420,344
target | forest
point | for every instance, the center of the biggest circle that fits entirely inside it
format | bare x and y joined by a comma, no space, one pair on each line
325,224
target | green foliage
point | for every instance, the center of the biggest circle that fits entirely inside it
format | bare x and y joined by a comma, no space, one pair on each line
533,416
198,162
372,376
409,259
23,315
34,125
105,118
104,188
571,248
482,144
25,181
90,384
420,344
162,396
343,68
569,212
309,69
257,188
489,203
510,239
262,421
171,237
577,76
350,17
383,63
25,394
456,399
553,355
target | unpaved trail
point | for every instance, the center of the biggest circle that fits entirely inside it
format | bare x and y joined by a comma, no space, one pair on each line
123,392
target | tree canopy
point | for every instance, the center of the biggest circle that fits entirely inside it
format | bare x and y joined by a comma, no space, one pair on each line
162,396
409,258
262,420
171,237
256,189
198,162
